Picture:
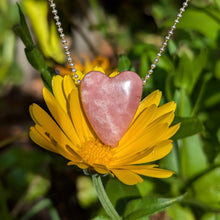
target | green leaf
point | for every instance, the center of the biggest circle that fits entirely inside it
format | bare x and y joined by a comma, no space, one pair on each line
124,63
145,187
33,54
192,17
192,156
171,161
189,70
86,193
22,30
37,60
38,187
189,127
43,204
117,190
143,207
207,188
217,69
184,107
211,216
179,213
198,64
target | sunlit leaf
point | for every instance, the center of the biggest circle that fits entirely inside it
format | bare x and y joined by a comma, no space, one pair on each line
119,193
124,63
178,212
192,156
210,188
193,17
211,216
147,206
189,127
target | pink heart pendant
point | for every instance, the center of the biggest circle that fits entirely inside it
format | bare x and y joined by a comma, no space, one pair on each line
111,103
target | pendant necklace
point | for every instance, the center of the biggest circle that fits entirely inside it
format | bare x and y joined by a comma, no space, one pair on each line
100,124
110,103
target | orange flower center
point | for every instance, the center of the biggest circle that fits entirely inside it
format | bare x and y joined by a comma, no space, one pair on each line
95,152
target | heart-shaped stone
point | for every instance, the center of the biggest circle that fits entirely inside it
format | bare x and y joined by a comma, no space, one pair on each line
110,103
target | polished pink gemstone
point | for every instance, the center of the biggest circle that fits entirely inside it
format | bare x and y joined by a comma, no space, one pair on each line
111,103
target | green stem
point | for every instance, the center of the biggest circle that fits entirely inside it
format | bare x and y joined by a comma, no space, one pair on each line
103,198
205,81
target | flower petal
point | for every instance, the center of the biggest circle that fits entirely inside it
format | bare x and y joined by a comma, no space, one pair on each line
138,126
171,131
164,109
68,86
159,151
45,121
81,165
41,140
154,172
79,120
149,138
57,85
127,177
153,98
61,117
165,118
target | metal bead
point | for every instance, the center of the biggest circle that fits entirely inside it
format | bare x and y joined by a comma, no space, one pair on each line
58,23
67,53
64,41
162,49
153,66
144,81
164,43
54,11
73,70
75,76
52,5
78,81
71,65
177,20
173,26
148,75
167,37
60,29
155,61
159,55
170,32
182,10
69,59
185,4
56,17
62,35
149,72
179,15
65,47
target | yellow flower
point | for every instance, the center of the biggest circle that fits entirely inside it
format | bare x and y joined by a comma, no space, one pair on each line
69,134
100,63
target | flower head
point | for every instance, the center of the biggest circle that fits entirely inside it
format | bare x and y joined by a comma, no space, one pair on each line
100,63
69,134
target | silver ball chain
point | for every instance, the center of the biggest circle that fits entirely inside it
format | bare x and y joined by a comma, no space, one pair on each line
164,44
153,65
63,40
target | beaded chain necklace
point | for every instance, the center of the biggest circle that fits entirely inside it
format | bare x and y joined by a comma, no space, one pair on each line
153,65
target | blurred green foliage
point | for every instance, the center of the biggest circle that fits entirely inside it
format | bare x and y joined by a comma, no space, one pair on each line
188,73
10,72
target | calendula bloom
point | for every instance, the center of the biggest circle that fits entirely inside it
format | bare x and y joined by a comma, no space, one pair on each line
69,134
100,63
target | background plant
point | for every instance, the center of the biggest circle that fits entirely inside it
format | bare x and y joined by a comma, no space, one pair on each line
188,73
